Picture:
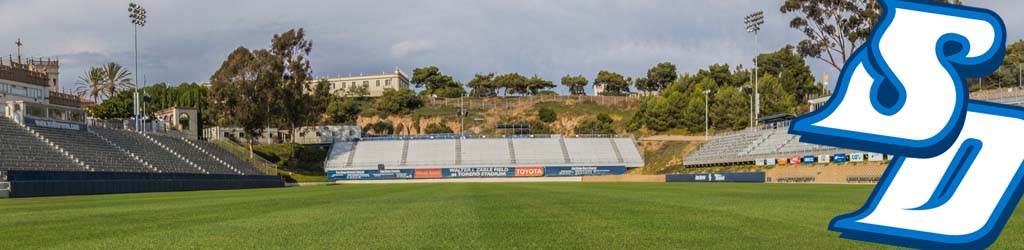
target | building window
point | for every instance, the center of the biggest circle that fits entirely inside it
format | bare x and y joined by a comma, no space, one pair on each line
342,85
387,83
366,84
378,83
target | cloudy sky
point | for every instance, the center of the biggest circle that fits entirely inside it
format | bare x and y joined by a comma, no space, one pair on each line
187,40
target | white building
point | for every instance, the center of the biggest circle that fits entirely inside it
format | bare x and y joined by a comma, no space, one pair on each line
18,83
374,84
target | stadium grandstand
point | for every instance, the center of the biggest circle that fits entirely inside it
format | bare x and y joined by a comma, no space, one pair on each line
771,144
452,155
50,150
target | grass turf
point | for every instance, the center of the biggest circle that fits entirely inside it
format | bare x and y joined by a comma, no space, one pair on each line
450,216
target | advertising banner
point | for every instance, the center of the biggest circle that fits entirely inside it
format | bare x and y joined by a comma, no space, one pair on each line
478,172
874,157
824,158
428,173
583,171
372,174
529,171
717,177
769,162
795,160
781,161
839,158
53,124
856,157
809,159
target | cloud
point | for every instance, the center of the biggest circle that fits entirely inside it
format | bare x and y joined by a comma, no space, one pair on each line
187,40
404,48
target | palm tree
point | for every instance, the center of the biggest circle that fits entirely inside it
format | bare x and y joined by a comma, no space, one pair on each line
90,84
115,79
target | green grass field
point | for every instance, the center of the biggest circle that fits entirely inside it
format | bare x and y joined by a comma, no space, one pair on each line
450,216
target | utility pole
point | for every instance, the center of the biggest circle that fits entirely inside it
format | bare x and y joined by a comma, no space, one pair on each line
753,24
138,15
707,122
462,118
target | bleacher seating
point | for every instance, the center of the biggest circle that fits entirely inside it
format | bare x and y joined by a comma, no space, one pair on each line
432,152
745,147
108,150
193,154
93,151
749,146
163,160
629,151
486,152
371,153
235,162
440,152
20,150
591,150
538,150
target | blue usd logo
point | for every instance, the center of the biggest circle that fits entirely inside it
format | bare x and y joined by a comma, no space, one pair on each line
903,93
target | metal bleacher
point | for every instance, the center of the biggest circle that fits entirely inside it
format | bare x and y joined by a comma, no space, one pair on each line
233,161
538,150
98,149
748,146
20,150
193,154
93,151
437,152
162,159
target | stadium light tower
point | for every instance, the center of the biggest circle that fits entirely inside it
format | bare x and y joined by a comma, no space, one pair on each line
753,24
706,121
138,16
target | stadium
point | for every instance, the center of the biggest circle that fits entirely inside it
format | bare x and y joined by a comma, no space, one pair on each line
272,150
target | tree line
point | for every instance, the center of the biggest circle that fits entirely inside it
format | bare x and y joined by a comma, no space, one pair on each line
785,83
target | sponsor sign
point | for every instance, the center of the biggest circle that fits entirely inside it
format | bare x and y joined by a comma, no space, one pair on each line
582,171
839,158
874,157
533,171
781,161
824,158
53,124
478,172
428,173
372,174
717,177
857,157
809,159
795,160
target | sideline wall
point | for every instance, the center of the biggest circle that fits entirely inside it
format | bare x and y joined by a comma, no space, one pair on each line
825,173
625,178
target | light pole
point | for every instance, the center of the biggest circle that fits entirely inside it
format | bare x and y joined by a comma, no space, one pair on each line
138,15
1019,82
753,24
706,121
